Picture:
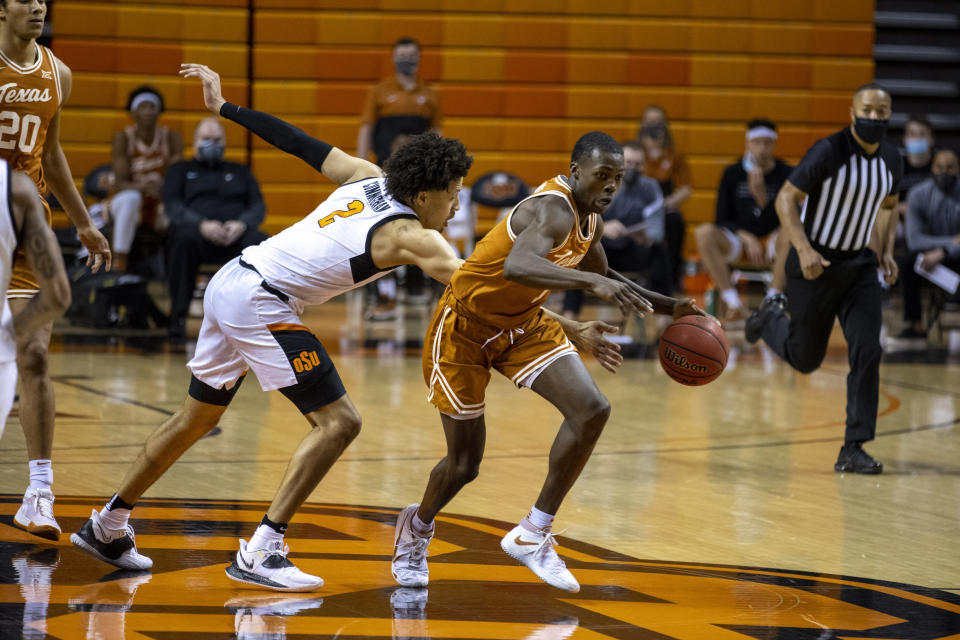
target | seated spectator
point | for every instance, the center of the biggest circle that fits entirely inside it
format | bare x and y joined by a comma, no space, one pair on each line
633,231
215,209
140,156
664,164
917,156
933,231
746,227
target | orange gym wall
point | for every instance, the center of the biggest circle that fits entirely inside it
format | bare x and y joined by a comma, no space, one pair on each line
519,80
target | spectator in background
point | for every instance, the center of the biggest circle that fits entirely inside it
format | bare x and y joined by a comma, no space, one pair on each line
933,230
399,106
747,225
664,164
215,209
140,156
917,155
633,231
396,108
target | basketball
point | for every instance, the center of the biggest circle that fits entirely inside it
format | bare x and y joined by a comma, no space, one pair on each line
693,350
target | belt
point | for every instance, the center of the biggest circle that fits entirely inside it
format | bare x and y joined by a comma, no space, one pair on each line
266,286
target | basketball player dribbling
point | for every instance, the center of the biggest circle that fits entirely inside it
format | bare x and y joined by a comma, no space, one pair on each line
370,225
490,317
34,85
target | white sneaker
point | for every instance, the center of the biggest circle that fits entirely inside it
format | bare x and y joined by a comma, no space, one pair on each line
270,568
409,563
36,514
113,546
536,551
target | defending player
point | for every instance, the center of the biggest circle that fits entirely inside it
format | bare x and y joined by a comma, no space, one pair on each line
368,226
34,85
490,317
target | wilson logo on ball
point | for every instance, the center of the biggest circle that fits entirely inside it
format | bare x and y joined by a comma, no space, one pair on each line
681,361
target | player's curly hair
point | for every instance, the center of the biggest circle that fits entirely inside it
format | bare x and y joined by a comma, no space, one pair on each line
425,162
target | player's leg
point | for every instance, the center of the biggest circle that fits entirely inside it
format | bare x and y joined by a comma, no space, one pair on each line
285,355
456,370
218,370
781,247
544,360
36,411
860,316
125,209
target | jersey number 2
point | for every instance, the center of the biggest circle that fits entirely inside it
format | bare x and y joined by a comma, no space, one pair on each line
353,209
10,122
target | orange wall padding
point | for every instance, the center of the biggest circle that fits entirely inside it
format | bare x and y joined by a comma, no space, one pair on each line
519,80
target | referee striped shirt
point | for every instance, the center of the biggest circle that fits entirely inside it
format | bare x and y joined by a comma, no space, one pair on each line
845,187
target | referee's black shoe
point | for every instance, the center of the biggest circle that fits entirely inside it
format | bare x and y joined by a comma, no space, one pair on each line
753,328
853,459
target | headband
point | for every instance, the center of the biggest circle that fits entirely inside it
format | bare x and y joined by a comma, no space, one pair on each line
761,132
148,96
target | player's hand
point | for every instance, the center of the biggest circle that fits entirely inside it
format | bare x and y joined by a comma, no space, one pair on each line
758,187
812,263
931,259
889,267
590,337
212,95
98,247
753,248
622,295
687,307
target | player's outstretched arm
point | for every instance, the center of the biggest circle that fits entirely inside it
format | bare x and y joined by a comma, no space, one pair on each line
590,337
325,158
407,242
43,256
676,307
543,225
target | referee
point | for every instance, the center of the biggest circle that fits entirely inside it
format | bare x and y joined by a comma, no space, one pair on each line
839,211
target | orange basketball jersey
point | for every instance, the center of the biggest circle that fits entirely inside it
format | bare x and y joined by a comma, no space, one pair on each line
479,284
29,99
148,160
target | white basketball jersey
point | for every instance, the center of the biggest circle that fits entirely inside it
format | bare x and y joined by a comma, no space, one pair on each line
8,244
328,252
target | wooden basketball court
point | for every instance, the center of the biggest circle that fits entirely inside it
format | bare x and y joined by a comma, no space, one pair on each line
704,513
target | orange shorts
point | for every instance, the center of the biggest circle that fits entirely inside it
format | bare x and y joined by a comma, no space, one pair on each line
459,352
22,281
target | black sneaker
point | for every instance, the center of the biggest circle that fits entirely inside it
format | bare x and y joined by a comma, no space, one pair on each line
909,333
753,328
853,459
113,547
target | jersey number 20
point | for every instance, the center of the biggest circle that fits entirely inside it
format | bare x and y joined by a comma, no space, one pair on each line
10,122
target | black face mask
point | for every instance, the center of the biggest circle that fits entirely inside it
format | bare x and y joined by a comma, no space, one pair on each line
870,131
210,153
407,67
946,182
630,176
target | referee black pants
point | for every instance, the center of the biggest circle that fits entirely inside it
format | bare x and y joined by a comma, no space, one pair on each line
848,290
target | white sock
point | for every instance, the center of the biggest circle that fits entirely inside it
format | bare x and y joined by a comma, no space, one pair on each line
420,527
772,292
41,474
539,520
114,519
263,537
731,298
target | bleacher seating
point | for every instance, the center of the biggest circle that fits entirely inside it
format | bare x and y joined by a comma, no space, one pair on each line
519,81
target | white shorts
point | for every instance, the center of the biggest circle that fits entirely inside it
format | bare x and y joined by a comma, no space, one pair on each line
8,389
736,245
247,327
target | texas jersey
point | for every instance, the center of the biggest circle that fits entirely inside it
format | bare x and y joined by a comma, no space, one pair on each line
29,99
479,284
8,244
328,252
